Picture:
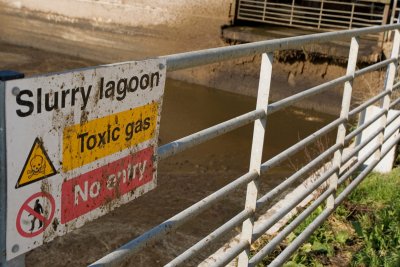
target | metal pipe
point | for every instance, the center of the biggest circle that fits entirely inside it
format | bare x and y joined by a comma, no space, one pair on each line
344,113
368,103
171,224
192,140
375,66
256,154
392,119
289,250
394,103
288,229
389,83
360,162
202,136
296,147
230,254
357,148
264,226
274,107
214,55
365,172
363,127
286,183
208,56
195,249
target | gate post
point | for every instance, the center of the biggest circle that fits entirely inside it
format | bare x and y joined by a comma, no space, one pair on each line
19,261
389,82
256,152
344,114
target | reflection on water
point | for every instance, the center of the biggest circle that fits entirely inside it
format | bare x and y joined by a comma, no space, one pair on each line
189,108
196,173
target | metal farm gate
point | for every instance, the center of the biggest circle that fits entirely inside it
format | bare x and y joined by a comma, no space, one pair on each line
324,15
333,177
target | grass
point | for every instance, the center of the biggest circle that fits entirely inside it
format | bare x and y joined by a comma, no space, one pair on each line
363,231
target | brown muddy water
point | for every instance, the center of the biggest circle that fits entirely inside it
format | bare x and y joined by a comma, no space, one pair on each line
182,179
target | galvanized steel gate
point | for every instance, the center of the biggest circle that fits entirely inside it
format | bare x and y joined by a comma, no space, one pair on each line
326,15
327,182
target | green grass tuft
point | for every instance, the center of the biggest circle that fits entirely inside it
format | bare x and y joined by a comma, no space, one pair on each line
364,230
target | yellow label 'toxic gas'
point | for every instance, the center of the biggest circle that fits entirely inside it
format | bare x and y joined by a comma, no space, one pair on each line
95,139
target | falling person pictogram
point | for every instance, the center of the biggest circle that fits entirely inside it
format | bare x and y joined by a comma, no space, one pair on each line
39,210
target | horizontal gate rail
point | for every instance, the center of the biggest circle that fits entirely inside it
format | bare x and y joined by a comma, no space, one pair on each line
298,241
215,55
323,15
187,142
321,181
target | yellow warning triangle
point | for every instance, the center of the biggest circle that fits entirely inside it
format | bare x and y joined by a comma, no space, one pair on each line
37,166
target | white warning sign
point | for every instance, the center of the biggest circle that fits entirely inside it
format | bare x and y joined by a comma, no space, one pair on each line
79,144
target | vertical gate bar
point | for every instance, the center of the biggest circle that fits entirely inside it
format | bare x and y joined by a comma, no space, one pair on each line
3,181
344,113
393,19
256,152
320,14
389,81
393,12
351,16
292,12
385,17
265,8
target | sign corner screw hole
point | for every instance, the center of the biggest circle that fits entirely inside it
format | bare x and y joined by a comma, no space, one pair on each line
15,91
15,248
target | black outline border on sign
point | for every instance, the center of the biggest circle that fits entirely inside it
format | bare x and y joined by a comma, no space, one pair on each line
54,172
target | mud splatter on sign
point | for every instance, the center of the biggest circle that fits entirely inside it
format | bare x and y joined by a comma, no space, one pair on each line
94,134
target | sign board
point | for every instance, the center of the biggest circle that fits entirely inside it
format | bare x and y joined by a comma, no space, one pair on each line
79,144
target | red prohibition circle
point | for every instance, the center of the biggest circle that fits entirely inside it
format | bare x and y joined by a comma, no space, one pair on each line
27,208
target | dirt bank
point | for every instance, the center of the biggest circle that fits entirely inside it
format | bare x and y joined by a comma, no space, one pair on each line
290,77
106,42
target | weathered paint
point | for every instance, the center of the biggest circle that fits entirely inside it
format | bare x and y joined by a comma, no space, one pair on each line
58,108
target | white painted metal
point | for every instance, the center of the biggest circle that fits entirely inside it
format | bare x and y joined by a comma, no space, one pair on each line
249,233
325,15
344,114
186,60
389,84
256,152
386,163
89,103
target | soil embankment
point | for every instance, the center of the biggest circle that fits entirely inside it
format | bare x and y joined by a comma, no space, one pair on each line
104,41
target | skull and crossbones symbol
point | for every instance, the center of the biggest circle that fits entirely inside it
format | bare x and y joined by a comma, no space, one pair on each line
38,166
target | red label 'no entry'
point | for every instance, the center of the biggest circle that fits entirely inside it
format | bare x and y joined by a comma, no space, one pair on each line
93,189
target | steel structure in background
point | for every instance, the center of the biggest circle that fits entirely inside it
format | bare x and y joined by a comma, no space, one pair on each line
326,183
325,15
395,17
